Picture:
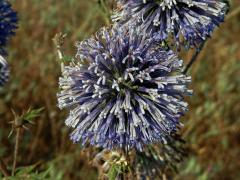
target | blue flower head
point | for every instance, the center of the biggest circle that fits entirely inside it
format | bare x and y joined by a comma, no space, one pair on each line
186,22
4,71
8,21
123,90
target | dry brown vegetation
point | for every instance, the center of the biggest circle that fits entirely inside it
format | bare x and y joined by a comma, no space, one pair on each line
211,126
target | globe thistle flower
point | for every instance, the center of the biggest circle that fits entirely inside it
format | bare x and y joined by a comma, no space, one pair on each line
186,22
125,91
4,71
8,21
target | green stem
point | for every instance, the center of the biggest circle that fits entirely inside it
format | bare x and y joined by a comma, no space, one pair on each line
16,151
3,168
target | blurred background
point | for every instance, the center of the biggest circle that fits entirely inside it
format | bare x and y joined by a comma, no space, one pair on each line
211,127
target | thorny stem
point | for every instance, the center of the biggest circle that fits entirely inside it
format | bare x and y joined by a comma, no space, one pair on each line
121,176
3,168
16,150
126,154
59,41
194,58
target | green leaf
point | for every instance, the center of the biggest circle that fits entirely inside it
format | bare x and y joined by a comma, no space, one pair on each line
112,173
31,114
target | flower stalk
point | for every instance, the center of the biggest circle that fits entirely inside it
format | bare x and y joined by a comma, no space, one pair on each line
194,58
16,149
3,168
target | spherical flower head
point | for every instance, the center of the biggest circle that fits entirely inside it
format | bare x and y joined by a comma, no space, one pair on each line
125,91
8,21
186,22
4,71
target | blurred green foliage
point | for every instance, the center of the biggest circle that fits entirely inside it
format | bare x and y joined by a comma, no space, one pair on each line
211,126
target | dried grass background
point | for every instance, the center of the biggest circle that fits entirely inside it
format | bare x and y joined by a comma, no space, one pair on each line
211,127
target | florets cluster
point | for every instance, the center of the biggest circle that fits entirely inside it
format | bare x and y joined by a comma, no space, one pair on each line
185,22
8,21
124,91
4,71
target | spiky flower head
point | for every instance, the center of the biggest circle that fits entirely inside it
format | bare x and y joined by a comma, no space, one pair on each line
8,21
4,71
125,91
186,22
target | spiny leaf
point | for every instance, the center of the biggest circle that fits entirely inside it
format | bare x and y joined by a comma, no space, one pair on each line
31,114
